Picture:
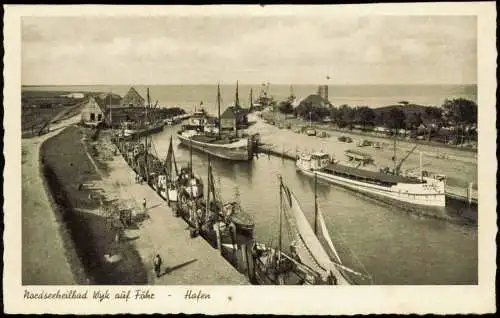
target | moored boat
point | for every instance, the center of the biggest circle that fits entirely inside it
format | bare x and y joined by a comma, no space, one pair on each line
423,191
227,145
308,261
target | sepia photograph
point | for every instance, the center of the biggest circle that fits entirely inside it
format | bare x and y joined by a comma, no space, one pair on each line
269,148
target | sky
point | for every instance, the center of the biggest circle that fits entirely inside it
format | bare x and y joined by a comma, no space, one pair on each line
286,49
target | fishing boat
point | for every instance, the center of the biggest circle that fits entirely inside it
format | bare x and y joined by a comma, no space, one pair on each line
419,191
230,146
132,129
211,218
230,212
309,261
190,187
135,129
167,184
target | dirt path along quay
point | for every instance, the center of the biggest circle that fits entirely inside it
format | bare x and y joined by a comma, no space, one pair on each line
44,260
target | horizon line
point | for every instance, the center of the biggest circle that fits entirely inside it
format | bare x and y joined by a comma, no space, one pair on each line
261,83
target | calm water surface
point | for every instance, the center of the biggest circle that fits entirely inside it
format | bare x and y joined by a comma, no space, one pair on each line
395,247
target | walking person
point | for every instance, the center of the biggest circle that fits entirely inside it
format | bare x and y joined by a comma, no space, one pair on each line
157,265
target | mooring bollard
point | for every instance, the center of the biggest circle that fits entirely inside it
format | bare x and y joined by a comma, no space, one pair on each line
469,193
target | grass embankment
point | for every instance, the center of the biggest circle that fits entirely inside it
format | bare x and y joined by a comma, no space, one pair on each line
40,108
33,119
66,168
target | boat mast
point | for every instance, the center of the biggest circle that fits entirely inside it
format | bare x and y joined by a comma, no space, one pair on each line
218,107
421,172
146,143
190,158
394,153
251,101
168,162
209,185
281,212
236,99
110,111
315,204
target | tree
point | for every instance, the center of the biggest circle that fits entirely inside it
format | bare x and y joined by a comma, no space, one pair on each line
285,107
380,118
413,121
460,112
396,118
365,116
341,115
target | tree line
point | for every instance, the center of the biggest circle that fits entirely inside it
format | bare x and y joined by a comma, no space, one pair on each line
458,113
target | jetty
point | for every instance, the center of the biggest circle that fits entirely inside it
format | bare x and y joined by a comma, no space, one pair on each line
186,260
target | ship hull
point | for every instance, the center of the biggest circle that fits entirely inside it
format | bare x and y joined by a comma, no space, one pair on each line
396,193
233,151
133,133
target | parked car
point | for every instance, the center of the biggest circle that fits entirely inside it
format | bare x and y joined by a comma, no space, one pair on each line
311,132
364,143
342,138
348,139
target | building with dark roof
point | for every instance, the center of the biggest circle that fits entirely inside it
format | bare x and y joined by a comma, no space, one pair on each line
132,99
234,117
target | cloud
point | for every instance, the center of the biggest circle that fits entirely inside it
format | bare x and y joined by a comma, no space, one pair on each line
284,49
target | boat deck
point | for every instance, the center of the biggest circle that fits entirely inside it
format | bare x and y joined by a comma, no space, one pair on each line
369,175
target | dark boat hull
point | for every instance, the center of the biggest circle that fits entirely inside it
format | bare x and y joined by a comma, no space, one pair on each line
234,151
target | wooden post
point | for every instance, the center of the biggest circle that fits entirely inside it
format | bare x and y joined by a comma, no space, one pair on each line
249,261
244,259
469,193
282,152
233,239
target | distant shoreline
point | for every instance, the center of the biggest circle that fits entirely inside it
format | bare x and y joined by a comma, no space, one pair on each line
257,84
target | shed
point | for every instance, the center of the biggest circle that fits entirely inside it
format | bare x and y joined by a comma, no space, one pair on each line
132,99
233,118
93,113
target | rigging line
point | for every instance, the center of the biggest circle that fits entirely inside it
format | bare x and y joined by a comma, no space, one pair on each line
353,254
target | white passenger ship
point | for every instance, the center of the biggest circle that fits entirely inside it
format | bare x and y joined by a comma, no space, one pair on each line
421,191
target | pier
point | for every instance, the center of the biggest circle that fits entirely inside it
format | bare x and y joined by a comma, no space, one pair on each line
185,260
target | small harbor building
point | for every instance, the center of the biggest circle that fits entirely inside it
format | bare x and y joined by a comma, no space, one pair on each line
233,118
132,99
96,111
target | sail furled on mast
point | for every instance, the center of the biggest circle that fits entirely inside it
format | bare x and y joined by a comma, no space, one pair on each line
237,98
323,232
307,245
170,163
306,234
